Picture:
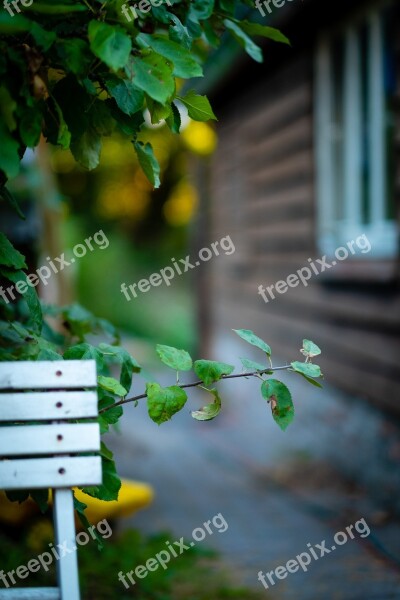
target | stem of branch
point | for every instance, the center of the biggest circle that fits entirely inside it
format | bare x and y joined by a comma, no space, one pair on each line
198,383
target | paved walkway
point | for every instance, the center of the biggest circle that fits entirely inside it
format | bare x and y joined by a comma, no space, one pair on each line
277,491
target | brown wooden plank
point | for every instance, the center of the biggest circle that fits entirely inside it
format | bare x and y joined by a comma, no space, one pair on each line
280,144
295,167
290,228
272,115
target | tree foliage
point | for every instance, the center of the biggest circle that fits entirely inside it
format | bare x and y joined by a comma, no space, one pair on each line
77,70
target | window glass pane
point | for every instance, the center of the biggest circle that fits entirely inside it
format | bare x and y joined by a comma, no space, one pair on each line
337,130
365,160
390,90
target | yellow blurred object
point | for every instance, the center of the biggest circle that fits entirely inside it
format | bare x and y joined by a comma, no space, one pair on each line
62,161
133,496
181,205
41,533
14,513
200,138
120,199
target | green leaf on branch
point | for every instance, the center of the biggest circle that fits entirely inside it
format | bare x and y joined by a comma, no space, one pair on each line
17,495
153,74
184,65
41,497
56,129
128,364
75,55
210,411
179,33
252,366
209,370
86,149
79,321
111,485
148,162
46,8
179,360
110,43
310,349
158,111
227,6
30,126
9,156
80,508
312,381
110,384
110,416
307,369
128,125
198,107
9,256
11,25
249,336
244,40
163,403
48,354
128,97
200,10
264,31
6,195
281,402
43,38
113,414
174,121
30,296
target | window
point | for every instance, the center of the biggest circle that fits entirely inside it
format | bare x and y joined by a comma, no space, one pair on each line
355,84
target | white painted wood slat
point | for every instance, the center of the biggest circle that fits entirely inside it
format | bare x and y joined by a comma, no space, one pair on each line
27,440
47,406
48,374
41,473
30,594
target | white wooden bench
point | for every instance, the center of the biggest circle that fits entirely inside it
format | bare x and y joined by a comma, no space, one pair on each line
49,455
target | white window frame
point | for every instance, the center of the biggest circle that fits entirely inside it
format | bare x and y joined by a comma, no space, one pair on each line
332,233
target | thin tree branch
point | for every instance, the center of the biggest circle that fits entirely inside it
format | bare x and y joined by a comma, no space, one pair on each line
197,383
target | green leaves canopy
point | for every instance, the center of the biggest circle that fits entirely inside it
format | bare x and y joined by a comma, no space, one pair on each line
76,73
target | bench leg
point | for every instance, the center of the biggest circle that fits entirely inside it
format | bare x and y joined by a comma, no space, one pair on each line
65,536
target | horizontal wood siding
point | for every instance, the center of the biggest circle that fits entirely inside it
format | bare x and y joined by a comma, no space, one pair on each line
263,196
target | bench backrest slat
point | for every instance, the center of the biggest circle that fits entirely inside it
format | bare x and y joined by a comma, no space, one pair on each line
26,375
55,472
30,594
49,439
47,406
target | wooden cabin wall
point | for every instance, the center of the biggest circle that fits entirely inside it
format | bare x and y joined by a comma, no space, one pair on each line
263,196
